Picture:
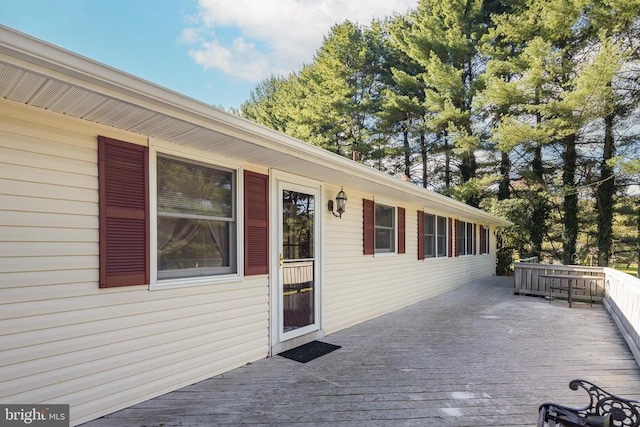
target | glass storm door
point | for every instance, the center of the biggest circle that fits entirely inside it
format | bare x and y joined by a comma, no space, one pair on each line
298,261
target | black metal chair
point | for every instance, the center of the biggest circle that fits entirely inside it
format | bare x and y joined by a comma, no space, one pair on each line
604,410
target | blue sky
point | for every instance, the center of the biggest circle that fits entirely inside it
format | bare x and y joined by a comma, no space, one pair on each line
215,51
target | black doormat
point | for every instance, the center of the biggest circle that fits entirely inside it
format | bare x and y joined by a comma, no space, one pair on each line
309,351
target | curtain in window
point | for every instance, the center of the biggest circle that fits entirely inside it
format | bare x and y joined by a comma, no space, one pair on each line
174,233
220,235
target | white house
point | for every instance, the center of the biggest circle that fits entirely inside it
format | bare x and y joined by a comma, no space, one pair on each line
149,241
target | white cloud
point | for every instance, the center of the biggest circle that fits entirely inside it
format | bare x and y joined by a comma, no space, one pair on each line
252,39
240,59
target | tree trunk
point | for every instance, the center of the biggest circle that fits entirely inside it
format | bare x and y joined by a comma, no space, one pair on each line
468,166
504,191
447,164
468,169
604,195
539,204
570,206
407,154
424,154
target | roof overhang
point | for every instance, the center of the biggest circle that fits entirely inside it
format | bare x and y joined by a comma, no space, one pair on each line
44,76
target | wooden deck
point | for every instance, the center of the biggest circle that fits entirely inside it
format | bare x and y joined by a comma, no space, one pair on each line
475,356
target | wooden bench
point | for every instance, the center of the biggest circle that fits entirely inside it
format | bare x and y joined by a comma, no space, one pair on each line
593,280
604,410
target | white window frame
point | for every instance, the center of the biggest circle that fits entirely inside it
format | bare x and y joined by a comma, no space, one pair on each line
470,238
484,249
445,251
394,230
464,237
161,149
430,236
435,235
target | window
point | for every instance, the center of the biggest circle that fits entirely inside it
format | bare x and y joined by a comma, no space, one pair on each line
196,219
470,229
379,225
466,239
484,240
429,236
441,236
385,228
435,236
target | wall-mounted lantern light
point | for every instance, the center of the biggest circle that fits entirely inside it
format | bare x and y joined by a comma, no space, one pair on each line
341,203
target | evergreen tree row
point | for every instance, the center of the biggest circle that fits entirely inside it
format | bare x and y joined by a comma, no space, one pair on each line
528,108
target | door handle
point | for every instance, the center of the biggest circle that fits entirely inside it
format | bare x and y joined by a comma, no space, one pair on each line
281,260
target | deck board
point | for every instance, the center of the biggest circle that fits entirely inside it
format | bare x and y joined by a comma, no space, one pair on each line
475,356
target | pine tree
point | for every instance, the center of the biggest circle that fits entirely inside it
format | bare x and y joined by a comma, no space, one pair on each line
517,86
613,32
443,37
264,102
328,102
401,110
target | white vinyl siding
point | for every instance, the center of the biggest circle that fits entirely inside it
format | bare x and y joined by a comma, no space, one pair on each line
64,339
101,350
359,288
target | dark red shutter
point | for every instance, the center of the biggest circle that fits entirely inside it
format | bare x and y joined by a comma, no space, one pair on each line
256,223
123,173
450,237
488,233
482,240
368,227
474,239
401,231
455,238
420,234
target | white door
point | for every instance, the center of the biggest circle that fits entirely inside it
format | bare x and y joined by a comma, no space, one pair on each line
298,272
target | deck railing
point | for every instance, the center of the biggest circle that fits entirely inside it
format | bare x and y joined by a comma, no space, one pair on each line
622,300
533,279
619,292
